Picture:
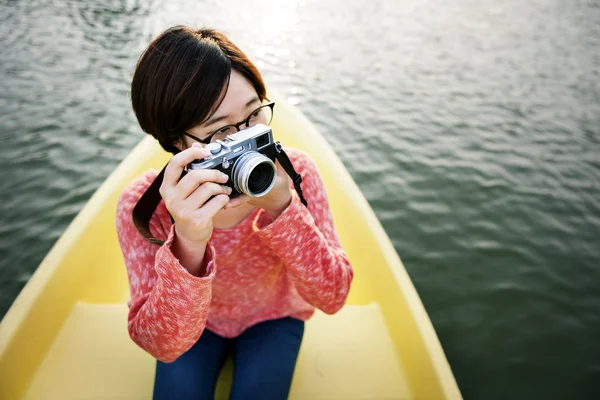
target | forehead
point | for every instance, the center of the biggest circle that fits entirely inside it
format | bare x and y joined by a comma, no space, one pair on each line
233,106
239,92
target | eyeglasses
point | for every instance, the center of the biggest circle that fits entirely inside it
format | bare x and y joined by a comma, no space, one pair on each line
262,115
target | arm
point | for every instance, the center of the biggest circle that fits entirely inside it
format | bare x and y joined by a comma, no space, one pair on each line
168,306
305,239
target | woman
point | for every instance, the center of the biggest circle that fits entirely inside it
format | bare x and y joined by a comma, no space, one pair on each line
233,275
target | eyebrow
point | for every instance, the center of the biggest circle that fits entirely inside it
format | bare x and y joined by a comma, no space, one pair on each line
221,118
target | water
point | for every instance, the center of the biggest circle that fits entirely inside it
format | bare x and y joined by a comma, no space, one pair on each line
472,127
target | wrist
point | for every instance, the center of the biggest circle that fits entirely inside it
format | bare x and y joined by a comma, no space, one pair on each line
277,207
190,254
187,242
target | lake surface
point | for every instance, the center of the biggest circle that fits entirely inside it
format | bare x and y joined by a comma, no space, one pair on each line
472,127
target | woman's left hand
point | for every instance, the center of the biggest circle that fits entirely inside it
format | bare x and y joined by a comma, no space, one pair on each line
274,202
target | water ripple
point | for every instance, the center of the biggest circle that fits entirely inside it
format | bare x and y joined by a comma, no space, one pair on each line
472,128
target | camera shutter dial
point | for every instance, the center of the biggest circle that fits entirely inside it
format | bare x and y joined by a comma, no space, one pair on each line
214,148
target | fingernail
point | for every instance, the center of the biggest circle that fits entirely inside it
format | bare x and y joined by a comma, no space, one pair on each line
224,176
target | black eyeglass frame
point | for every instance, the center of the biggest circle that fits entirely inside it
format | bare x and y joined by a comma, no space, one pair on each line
246,121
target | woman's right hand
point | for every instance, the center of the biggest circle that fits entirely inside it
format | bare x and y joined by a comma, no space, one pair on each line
194,199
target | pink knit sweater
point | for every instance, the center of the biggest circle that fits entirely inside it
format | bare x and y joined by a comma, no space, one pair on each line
256,271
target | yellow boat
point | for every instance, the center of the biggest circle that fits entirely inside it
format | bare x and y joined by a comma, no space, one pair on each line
65,336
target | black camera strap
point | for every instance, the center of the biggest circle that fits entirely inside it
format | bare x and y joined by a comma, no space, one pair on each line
285,162
146,205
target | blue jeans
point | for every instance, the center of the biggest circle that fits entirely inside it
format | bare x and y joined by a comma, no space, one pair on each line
264,358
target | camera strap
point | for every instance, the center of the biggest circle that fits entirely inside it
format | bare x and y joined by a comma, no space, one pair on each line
285,162
146,205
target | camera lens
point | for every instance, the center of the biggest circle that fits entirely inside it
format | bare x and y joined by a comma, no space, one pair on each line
254,174
260,178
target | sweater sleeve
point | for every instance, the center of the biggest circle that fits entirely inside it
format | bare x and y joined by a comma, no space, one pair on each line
169,306
305,239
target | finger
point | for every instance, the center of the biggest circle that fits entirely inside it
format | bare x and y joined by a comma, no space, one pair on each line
238,201
180,160
214,205
194,178
205,192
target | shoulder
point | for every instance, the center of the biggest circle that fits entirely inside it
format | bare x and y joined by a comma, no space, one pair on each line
134,190
313,186
302,162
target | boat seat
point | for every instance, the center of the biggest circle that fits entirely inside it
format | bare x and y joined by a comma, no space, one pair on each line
349,355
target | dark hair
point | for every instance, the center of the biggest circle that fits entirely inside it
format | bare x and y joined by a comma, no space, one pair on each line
181,79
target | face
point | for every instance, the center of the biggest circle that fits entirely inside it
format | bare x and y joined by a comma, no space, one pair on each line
239,102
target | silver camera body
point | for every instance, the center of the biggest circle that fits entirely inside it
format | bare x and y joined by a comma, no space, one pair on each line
247,157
